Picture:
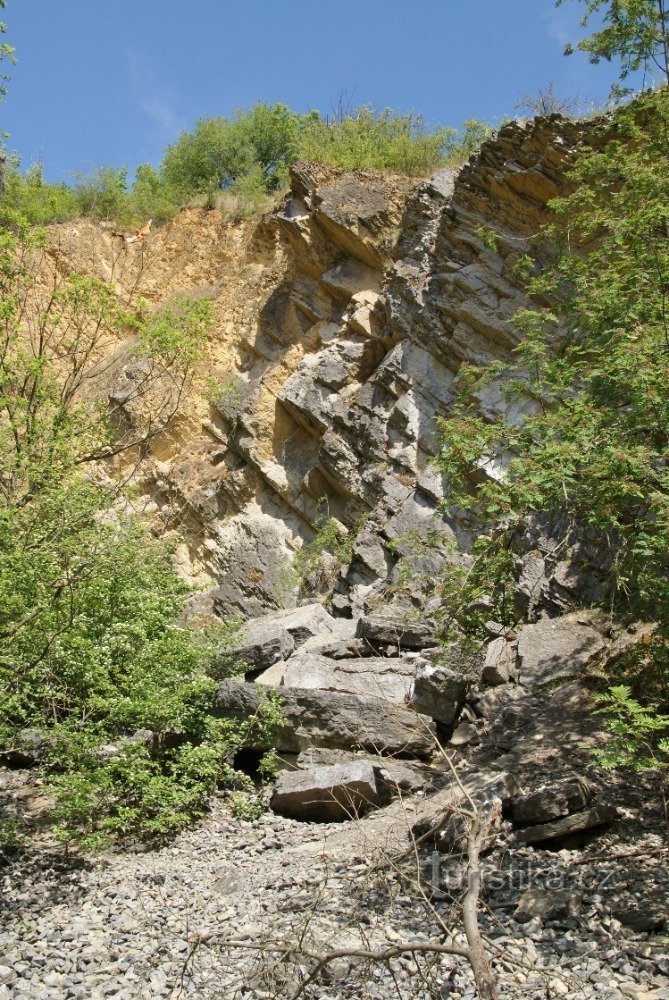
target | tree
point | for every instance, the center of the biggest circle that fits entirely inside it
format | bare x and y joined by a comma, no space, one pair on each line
222,151
635,32
594,452
6,54
548,102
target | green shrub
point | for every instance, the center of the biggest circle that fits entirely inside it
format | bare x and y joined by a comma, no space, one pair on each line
221,152
383,140
93,645
34,198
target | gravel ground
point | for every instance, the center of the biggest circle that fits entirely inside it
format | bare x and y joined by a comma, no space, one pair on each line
205,917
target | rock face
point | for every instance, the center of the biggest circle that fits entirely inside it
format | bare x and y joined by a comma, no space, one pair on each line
341,322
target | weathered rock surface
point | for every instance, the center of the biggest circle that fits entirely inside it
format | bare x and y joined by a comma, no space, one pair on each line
328,794
389,679
333,719
546,904
266,640
557,649
438,692
554,799
577,822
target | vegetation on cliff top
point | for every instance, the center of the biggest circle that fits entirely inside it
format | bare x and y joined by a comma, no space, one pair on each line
241,163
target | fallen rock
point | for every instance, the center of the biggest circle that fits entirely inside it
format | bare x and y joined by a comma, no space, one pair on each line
405,776
500,661
578,822
385,678
266,640
438,692
546,904
29,748
391,627
556,649
330,794
652,915
442,818
554,800
331,719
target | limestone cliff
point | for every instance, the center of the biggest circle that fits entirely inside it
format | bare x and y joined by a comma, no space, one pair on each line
341,321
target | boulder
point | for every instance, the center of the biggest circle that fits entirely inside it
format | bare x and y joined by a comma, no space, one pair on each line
29,748
556,649
578,822
385,678
554,800
500,660
442,819
329,794
331,719
390,627
267,640
438,692
400,775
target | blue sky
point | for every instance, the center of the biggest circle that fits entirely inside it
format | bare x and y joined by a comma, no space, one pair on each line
101,83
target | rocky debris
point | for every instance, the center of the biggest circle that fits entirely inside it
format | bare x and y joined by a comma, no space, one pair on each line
554,799
265,640
388,679
156,923
557,649
442,819
391,627
328,794
332,719
500,662
546,904
438,692
577,822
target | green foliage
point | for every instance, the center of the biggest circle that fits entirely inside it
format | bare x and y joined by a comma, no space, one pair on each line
11,837
384,140
317,563
246,154
94,648
34,198
636,733
6,55
634,32
240,164
594,445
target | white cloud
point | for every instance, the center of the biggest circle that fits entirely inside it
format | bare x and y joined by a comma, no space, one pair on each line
155,100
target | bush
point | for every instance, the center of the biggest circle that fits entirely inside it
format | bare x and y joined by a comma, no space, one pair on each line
94,648
221,153
386,141
34,198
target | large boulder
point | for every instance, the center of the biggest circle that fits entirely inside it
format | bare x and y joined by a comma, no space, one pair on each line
331,719
392,627
557,649
438,692
383,677
328,794
578,822
399,775
554,799
267,640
